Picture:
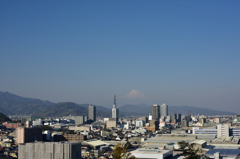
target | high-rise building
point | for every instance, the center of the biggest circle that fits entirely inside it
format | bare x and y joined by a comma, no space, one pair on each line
184,123
92,112
173,119
115,112
155,112
223,130
178,117
25,135
50,150
164,110
24,119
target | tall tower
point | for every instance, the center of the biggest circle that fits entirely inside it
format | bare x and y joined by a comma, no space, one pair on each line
155,112
92,112
115,112
164,110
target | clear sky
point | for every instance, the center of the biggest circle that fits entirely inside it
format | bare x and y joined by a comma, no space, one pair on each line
177,52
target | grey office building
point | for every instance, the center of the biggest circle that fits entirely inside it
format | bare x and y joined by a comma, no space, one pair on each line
164,110
92,112
50,150
178,117
24,119
155,112
77,119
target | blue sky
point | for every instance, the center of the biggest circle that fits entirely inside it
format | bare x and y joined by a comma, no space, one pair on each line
177,52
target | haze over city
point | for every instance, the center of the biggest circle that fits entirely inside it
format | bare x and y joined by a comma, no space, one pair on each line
175,52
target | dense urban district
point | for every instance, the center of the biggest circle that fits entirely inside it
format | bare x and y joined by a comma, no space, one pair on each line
155,135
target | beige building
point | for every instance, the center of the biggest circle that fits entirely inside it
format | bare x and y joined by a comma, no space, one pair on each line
217,120
25,135
111,124
80,128
223,130
202,120
74,137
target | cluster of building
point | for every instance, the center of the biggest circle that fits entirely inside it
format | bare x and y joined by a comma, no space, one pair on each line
156,135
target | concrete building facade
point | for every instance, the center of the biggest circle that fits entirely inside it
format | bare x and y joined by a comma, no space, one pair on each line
77,119
80,128
140,123
178,117
111,124
223,130
164,110
173,119
50,150
202,120
24,119
25,135
197,130
92,112
155,112
234,132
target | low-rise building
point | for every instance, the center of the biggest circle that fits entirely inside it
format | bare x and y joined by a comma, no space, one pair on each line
210,131
80,128
111,124
77,119
223,153
152,153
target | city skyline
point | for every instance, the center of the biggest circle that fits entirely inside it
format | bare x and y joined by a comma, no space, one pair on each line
179,53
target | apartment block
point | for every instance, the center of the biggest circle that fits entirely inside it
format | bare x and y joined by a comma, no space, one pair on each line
25,135
50,150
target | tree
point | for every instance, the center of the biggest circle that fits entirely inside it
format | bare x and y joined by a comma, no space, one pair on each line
71,132
120,151
182,144
191,152
204,156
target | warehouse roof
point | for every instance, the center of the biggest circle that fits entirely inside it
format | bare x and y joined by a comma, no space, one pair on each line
224,152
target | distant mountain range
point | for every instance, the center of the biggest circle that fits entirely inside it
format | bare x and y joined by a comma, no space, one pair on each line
144,109
11,104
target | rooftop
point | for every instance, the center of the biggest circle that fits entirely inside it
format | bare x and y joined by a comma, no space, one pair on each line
199,142
150,151
224,152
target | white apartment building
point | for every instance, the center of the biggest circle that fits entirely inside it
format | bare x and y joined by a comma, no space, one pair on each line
140,123
223,130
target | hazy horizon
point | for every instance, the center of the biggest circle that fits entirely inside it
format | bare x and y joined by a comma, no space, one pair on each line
174,52
118,106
